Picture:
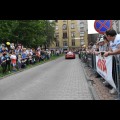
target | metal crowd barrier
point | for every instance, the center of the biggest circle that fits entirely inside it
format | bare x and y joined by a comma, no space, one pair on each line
91,62
83,56
116,73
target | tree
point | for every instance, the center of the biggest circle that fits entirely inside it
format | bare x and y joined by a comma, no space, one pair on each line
30,33
6,29
50,31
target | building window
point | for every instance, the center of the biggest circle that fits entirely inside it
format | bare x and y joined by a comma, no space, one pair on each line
56,35
81,34
73,42
64,35
72,34
56,21
56,27
82,42
64,43
64,27
81,29
57,44
81,25
72,25
81,38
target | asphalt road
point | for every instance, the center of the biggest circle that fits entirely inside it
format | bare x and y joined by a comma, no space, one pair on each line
56,80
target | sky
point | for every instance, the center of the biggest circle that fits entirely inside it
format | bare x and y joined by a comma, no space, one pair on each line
91,29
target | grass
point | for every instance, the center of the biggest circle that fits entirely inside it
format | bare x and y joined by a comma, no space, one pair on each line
29,66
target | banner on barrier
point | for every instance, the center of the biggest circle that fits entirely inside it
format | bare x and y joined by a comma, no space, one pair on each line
104,68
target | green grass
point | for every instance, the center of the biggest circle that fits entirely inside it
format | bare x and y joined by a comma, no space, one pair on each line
28,66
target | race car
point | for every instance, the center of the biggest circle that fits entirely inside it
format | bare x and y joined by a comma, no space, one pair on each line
70,55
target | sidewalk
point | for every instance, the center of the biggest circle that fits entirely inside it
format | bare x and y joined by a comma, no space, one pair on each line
101,90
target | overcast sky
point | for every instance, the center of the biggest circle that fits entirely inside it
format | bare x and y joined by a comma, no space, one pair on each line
91,29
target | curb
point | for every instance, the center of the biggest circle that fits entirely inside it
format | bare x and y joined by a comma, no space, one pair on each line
90,84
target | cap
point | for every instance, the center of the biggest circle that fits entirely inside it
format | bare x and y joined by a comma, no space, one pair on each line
101,40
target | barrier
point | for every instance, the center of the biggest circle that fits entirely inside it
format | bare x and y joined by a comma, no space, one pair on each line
116,73
90,60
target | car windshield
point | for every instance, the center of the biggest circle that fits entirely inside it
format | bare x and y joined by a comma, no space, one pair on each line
70,52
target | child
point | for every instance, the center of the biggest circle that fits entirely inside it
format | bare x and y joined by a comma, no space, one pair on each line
13,60
19,61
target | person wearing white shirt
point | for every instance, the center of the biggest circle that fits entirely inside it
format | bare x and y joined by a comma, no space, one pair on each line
114,49
114,39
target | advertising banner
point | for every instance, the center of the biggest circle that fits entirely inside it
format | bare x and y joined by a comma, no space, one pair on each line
104,68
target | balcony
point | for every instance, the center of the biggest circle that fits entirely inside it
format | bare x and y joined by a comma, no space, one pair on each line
82,35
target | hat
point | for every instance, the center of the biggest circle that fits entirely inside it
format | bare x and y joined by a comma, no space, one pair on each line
101,40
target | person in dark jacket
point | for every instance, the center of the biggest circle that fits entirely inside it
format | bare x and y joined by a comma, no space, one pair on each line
3,63
8,62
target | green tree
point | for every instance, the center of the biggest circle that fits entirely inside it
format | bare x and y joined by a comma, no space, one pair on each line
6,29
30,33
50,31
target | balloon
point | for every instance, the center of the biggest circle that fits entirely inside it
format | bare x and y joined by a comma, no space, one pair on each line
8,43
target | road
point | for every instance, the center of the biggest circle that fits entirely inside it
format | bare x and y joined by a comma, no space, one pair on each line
56,80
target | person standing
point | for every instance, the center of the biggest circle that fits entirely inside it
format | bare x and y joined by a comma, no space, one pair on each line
19,61
8,61
13,61
114,39
3,63
114,49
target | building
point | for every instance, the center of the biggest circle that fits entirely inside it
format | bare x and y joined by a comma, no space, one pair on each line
93,38
70,34
83,26
116,25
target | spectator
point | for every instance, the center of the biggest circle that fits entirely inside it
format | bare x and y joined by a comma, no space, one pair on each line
30,59
13,60
0,58
0,48
8,61
3,63
102,47
38,55
57,52
19,61
17,52
114,39
107,44
49,54
114,49
43,55
24,55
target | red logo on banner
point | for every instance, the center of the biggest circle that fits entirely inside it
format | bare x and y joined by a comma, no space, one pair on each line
101,65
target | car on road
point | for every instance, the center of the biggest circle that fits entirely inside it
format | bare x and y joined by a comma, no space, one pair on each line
70,55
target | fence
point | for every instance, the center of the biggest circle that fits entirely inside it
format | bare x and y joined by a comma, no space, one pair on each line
90,60
116,72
